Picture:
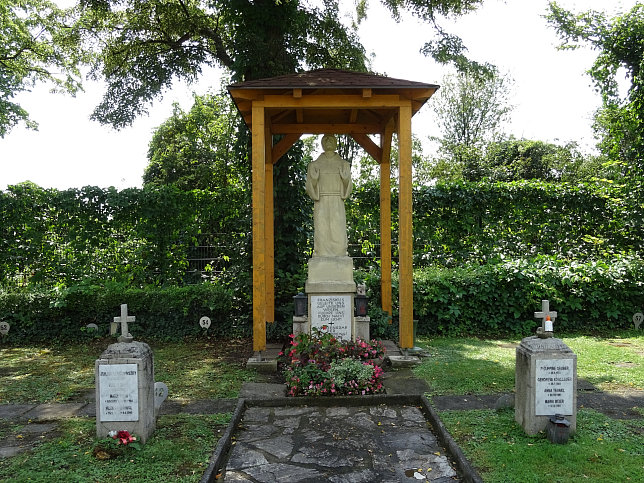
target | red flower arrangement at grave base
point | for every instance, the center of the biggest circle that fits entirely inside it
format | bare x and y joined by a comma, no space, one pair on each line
124,437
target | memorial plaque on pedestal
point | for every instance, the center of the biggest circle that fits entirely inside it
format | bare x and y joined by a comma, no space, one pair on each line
332,313
118,392
554,387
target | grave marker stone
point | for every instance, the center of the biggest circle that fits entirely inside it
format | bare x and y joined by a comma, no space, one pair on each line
205,322
637,320
546,378
127,398
4,328
160,395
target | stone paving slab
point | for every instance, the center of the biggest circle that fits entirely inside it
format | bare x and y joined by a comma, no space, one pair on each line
53,411
384,443
14,411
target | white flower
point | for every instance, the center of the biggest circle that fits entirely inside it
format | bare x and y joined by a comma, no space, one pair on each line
112,434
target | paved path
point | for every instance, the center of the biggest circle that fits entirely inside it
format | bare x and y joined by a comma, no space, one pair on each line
384,443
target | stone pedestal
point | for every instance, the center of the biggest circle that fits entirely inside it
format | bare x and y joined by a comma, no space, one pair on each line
125,399
330,274
361,325
546,383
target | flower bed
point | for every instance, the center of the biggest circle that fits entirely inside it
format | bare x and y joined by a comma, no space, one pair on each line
321,365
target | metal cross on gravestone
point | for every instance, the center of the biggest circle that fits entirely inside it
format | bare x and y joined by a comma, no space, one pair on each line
547,316
123,320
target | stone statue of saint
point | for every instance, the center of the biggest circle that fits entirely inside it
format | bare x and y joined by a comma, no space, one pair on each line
328,183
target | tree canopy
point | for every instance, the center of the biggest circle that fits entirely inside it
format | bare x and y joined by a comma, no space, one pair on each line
37,44
620,45
145,45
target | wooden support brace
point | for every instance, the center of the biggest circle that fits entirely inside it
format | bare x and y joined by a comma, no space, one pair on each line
368,145
283,146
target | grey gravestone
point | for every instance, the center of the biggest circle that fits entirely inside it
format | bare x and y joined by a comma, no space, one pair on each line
546,383
4,328
637,319
333,314
204,322
545,378
92,327
125,390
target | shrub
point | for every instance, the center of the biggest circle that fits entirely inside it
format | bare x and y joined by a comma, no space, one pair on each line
161,313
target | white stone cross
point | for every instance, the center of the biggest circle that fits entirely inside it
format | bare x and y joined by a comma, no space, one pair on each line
546,315
123,320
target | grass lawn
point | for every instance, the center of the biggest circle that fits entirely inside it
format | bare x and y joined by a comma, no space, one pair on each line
474,366
179,450
602,450
199,369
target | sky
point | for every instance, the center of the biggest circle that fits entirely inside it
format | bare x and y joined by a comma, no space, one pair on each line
553,97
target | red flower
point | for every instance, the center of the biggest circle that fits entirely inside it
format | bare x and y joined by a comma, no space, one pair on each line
124,437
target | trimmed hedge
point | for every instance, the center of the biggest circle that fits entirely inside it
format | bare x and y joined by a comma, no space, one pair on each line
490,300
500,299
161,313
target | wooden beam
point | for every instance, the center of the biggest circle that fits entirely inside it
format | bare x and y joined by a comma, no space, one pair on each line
283,146
249,94
353,116
344,101
366,93
299,116
368,145
269,237
331,128
258,209
297,92
385,218
405,240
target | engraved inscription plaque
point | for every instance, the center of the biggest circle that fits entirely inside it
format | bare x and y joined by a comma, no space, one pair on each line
332,313
554,387
119,392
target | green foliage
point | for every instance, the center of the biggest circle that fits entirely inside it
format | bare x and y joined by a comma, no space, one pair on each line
36,45
196,149
161,313
470,112
620,45
136,236
463,223
500,298
522,159
146,45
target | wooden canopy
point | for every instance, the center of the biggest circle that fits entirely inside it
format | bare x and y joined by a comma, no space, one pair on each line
330,101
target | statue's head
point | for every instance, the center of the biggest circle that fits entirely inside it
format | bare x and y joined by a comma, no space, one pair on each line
329,143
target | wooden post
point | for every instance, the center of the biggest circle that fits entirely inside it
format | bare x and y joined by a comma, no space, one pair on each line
269,237
259,266
385,218
406,283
